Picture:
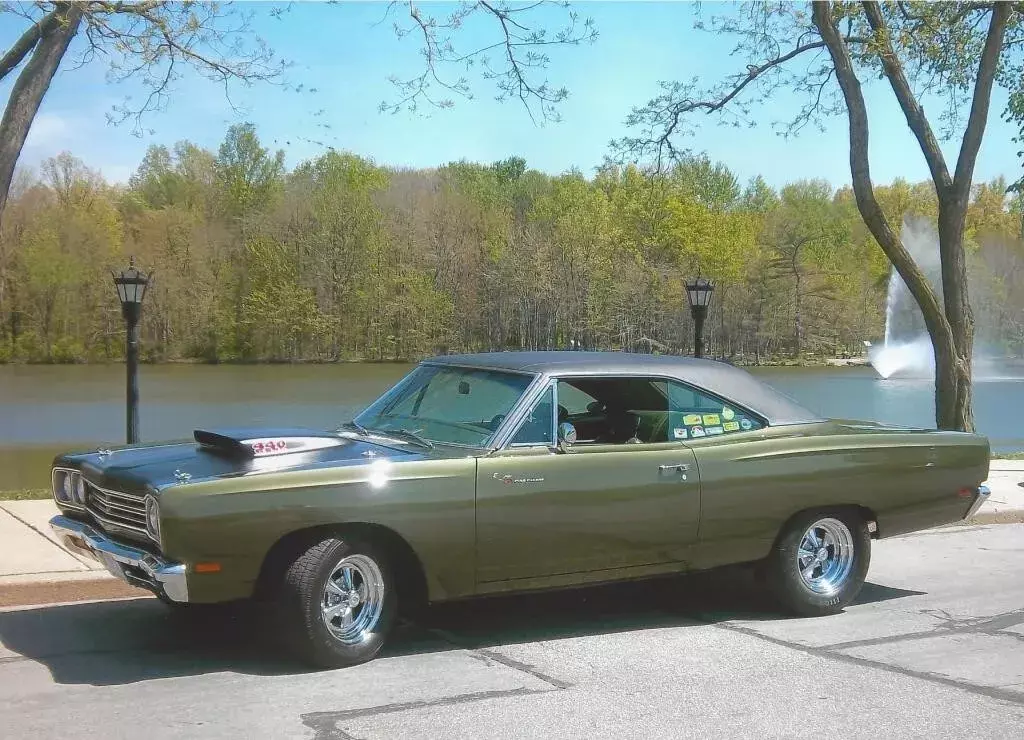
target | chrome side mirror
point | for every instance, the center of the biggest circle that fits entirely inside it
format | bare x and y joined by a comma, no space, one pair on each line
566,436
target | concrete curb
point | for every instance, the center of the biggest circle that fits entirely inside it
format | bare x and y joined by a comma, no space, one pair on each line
51,592
66,576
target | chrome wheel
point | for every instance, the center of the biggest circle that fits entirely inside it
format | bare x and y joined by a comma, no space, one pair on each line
825,556
352,599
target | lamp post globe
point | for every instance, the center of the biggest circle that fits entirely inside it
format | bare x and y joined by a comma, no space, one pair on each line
698,294
131,287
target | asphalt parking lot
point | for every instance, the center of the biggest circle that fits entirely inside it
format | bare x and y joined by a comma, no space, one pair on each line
933,648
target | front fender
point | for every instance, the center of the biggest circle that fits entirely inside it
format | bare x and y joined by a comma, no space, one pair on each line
234,522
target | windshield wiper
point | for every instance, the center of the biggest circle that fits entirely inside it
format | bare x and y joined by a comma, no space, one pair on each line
357,426
407,434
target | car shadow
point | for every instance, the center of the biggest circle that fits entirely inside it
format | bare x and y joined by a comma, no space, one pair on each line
721,595
127,641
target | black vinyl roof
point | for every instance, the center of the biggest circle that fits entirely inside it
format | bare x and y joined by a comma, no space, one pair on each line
721,379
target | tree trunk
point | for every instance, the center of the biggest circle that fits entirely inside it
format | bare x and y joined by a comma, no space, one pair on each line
29,89
954,409
957,412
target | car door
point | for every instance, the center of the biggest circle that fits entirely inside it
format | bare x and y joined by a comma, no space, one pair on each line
606,503
739,486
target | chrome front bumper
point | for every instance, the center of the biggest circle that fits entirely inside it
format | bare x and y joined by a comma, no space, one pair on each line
979,500
130,564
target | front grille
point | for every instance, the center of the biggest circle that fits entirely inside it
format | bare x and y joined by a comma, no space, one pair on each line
112,508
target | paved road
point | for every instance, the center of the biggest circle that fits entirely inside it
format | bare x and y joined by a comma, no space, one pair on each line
934,648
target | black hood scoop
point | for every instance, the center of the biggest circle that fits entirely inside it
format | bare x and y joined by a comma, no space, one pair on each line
253,443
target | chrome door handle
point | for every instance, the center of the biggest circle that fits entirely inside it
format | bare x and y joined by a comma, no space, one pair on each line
679,468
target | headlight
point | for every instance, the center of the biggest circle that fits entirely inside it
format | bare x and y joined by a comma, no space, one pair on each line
69,487
78,484
62,488
153,519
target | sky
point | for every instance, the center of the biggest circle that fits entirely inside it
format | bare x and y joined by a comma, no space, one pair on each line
349,51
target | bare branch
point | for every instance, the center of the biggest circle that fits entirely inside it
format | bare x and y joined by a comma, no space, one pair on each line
153,40
753,72
514,76
662,117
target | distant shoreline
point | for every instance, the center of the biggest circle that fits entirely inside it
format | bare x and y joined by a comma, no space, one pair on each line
777,362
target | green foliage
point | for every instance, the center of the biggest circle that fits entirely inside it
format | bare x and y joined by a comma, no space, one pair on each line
342,259
247,175
510,170
279,316
708,183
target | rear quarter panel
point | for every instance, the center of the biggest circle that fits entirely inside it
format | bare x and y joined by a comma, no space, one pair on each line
752,483
235,521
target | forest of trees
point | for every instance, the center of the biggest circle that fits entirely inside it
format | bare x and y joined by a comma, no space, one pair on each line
340,259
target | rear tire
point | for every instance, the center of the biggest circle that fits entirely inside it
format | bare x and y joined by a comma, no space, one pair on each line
336,602
819,562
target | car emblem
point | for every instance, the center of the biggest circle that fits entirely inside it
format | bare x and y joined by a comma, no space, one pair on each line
509,479
182,476
369,453
103,452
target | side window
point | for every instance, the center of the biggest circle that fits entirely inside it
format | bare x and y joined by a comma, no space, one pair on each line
538,426
625,410
574,402
694,414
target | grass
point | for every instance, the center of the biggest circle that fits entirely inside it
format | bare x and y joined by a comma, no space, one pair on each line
25,494
1008,456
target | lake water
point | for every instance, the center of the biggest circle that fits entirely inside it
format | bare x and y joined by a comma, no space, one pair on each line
47,409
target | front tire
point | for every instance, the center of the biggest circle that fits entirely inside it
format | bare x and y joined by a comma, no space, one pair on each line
819,562
337,602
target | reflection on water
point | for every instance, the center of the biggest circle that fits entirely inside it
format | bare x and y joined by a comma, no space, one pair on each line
45,409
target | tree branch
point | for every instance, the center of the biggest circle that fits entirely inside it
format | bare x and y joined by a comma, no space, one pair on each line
663,116
978,117
908,102
524,88
754,71
522,55
20,49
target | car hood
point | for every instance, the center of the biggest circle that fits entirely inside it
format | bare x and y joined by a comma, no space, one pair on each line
220,453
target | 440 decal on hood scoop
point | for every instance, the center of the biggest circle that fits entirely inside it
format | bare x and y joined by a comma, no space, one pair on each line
251,443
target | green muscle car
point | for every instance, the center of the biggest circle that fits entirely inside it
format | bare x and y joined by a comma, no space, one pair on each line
512,471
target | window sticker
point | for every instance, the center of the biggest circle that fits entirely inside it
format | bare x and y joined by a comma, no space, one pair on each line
679,433
691,419
731,426
745,424
728,414
696,431
711,431
711,419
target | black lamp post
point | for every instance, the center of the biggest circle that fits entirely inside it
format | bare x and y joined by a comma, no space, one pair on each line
131,289
698,293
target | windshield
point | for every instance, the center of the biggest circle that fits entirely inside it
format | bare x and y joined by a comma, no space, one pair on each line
451,405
